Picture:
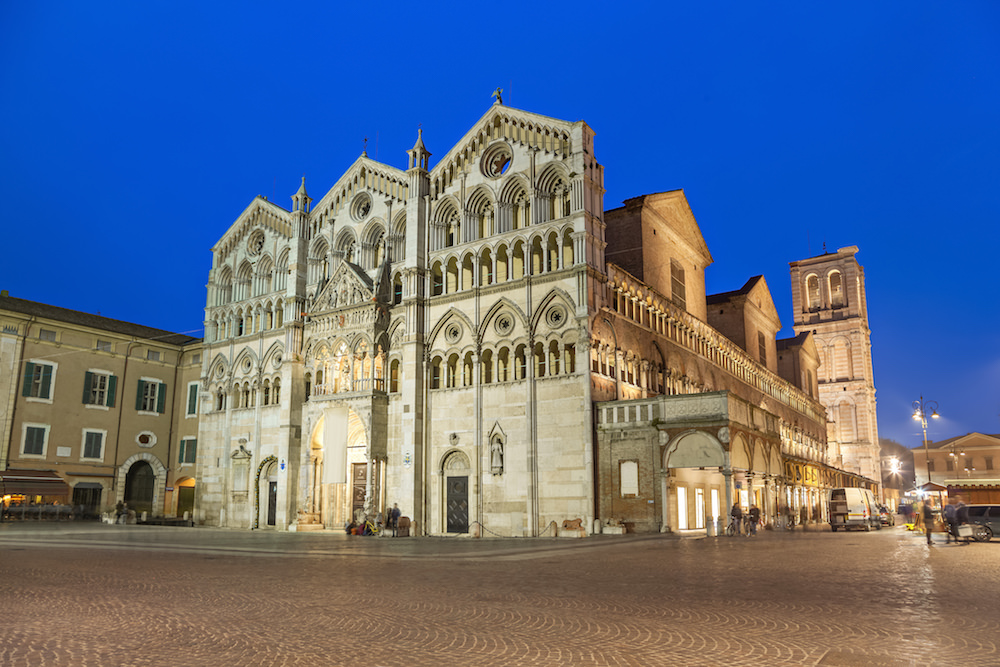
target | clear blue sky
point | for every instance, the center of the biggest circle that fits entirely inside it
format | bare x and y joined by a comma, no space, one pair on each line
132,134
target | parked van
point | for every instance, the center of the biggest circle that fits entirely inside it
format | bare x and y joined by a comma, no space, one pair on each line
853,507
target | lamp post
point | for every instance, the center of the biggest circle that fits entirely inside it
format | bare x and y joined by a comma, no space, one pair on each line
920,409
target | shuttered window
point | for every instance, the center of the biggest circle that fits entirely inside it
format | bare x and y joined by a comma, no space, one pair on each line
99,389
151,396
37,380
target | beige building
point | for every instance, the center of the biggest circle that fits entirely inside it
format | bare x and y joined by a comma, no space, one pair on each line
481,344
95,411
828,299
969,465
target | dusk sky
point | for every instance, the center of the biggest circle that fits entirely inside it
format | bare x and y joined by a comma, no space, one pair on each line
132,134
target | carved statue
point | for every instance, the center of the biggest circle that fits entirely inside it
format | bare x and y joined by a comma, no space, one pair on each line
496,457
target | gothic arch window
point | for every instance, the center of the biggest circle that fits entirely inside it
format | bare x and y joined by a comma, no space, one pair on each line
812,293
345,246
451,381
225,287
520,363
503,264
467,370
265,275
394,376
503,365
837,299
319,263
397,289
281,271
243,279
487,367
486,268
436,373
437,280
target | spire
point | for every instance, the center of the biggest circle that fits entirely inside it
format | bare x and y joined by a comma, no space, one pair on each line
301,200
419,155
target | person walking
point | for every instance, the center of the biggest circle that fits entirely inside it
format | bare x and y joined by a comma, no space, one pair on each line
754,518
737,516
949,517
961,518
929,519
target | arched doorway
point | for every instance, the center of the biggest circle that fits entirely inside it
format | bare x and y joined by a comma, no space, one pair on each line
266,505
694,491
139,481
456,492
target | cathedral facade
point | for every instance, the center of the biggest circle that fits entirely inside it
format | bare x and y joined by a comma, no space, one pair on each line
413,337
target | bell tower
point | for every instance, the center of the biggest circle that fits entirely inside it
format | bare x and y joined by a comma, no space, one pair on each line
828,299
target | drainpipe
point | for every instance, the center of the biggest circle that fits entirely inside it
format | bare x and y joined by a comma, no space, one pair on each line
19,379
121,411
170,430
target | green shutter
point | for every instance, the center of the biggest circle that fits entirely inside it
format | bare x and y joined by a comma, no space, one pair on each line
161,398
29,374
88,383
138,395
192,451
46,382
112,385
192,399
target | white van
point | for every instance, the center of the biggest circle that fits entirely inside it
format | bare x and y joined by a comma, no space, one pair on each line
853,507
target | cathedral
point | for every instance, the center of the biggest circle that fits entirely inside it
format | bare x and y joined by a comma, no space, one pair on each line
482,344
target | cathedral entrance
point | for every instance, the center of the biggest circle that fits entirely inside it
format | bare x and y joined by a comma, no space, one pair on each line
343,483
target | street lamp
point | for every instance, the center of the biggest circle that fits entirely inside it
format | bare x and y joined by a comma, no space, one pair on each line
920,409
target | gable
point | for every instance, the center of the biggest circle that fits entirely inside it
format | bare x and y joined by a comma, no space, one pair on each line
348,286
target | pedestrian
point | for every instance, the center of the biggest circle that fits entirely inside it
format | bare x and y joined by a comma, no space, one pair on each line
928,519
737,515
754,518
949,517
394,518
119,510
961,518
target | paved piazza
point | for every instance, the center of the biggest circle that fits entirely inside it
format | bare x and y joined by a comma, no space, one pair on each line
136,595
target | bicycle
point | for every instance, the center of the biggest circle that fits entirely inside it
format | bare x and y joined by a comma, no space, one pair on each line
372,528
732,529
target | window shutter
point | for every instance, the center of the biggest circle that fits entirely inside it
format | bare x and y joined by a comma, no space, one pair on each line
138,395
192,450
161,398
112,385
29,374
46,381
88,383
192,399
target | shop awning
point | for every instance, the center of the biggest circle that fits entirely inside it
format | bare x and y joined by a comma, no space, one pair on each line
32,483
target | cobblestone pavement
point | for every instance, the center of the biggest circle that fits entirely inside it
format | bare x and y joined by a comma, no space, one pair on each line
138,595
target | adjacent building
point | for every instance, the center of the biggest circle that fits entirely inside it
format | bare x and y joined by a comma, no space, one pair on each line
95,411
968,465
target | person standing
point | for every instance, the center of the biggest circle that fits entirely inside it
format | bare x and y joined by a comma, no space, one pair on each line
737,516
929,519
394,518
754,518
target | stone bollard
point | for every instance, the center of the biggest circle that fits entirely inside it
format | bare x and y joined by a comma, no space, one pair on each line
710,528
